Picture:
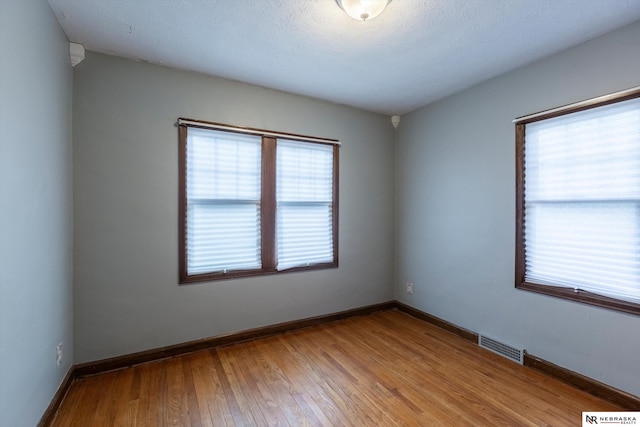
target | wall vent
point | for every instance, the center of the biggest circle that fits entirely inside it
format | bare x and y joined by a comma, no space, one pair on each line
505,350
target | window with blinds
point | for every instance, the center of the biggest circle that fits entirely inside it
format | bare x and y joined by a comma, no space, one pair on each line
304,203
578,201
255,202
223,201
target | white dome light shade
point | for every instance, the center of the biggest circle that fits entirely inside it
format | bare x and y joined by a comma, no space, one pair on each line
363,10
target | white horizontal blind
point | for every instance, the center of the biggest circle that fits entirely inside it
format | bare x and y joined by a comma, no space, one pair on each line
223,201
582,201
304,195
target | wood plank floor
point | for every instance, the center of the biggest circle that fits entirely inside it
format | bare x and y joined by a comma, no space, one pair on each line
384,369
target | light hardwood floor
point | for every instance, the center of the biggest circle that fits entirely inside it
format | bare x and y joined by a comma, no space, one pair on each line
384,369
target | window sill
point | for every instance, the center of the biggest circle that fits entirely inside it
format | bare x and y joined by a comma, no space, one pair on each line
582,296
212,277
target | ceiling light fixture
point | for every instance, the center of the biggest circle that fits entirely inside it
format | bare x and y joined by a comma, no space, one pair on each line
363,10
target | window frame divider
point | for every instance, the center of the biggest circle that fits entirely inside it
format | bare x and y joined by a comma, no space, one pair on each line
268,204
182,204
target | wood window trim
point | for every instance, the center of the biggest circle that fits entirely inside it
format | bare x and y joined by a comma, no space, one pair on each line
576,295
267,206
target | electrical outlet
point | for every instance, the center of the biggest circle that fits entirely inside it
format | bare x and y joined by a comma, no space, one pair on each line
59,354
410,288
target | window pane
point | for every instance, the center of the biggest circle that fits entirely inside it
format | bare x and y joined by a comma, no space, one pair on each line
305,171
304,235
582,201
593,154
223,201
223,237
223,165
592,246
304,195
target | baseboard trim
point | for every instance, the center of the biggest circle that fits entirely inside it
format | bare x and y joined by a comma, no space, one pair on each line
626,400
50,412
120,362
462,332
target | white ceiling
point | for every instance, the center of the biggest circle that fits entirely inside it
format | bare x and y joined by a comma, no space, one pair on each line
416,52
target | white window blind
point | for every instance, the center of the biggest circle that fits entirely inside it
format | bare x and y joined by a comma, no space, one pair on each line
223,201
582,201
304,196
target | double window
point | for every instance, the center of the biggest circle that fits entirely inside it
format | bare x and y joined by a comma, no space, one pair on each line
578,202
255,202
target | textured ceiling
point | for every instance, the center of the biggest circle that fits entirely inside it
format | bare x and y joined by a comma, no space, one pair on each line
416,52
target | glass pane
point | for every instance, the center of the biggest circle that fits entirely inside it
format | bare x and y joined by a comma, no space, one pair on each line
223,237
304,194
594,154
223,165
591,246
305,235
304,171
223,198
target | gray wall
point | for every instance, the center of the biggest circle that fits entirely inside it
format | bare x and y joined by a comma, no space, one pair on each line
126,295
455,217
35,210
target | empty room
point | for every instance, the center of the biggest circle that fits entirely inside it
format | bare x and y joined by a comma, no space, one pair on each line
319,212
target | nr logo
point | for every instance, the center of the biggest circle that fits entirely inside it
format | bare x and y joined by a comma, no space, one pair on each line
591,419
